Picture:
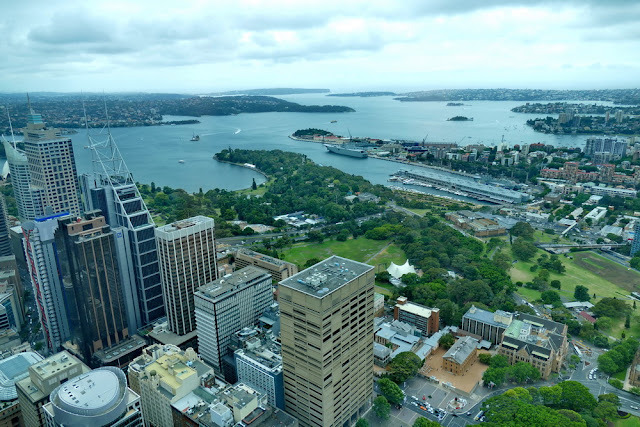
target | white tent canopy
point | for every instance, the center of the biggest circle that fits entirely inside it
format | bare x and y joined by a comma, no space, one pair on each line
397,271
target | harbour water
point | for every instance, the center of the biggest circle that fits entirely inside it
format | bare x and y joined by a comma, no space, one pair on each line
153,154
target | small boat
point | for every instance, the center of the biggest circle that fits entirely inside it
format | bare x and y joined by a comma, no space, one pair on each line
334,121
195,137
180,161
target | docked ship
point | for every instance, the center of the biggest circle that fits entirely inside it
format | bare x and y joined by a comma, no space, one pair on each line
347,151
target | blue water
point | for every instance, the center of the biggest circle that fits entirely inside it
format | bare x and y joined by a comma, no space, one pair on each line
153,153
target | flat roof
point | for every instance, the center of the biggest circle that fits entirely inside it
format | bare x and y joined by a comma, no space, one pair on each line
229,282
416,309
184,224
93,390
327,276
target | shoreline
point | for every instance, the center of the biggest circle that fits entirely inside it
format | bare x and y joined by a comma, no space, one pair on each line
243,166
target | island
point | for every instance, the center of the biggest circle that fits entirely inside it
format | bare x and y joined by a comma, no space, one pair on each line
455,104
460,119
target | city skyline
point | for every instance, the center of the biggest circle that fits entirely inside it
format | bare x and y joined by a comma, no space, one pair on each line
198,48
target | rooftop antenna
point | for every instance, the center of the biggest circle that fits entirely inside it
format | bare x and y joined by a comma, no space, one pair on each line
29,104
13,137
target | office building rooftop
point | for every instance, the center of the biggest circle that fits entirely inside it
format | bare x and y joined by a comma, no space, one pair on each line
14,369
326,276
220,287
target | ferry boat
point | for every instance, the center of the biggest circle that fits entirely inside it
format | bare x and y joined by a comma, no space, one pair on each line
195,137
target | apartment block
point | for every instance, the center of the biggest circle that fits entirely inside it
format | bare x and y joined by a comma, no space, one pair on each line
327,342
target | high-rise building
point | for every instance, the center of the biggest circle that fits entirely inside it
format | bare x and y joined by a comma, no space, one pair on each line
41,252
27,199
5,243
111,189
77,283
259,365
96,398
187,254
327,342
227,305
44,376
52,167
100,302
164,374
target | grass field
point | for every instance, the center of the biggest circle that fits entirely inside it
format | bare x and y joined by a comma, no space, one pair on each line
360,249
603,277
628,422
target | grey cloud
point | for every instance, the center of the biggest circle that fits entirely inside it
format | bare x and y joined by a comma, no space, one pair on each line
74,28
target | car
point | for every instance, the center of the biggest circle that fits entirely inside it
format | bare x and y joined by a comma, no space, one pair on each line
423,408
469,414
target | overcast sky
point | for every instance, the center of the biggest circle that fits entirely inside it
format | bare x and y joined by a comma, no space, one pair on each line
343,45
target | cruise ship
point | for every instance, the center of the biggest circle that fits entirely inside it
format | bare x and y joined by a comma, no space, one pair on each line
346,151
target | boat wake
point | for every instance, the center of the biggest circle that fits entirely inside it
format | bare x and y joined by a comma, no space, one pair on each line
237,131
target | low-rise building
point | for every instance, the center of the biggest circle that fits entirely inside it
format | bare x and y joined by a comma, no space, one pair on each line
424,318
535,340
461,355
278,268
12,370
96,398
44,376
490,326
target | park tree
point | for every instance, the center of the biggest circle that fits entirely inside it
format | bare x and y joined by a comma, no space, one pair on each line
484,358
447,341
611,307
495,376
627,322
606,411
423,422
362,423
551,297
523,249
404,366
381,407
499,361
523,229
522,372
581,293
391,391
576,396
610,397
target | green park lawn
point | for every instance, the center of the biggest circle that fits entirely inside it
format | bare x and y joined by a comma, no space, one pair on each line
627,422
603,277
360,249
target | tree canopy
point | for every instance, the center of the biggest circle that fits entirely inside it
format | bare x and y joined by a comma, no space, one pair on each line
404,366
381,407
390,391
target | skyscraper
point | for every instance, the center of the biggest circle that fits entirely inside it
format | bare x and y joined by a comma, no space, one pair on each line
27,200
100,302
227,305
5,243
111,189
187,254
327,342
52,168
41,252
